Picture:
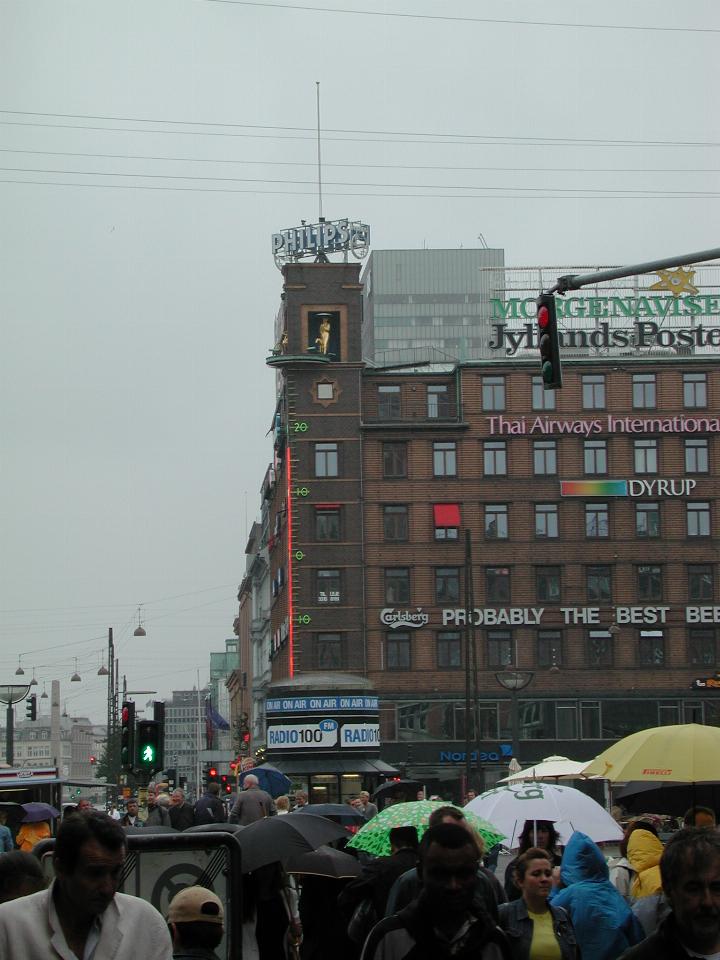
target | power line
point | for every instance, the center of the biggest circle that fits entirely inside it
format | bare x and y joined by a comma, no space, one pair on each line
344,193
367,136
456,19
340,183
361,166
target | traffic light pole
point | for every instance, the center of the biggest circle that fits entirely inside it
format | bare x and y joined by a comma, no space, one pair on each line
576,281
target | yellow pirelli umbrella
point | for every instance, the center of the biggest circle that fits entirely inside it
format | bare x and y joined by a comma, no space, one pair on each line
681,753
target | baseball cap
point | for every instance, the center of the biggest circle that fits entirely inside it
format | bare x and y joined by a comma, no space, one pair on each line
195,904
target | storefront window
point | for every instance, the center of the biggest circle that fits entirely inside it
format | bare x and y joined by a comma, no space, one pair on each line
536,720
622,717
324,788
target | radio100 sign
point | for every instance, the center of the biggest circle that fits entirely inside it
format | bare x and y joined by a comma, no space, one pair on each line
317,734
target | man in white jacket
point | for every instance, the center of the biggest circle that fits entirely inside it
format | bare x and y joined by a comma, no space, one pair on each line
82,916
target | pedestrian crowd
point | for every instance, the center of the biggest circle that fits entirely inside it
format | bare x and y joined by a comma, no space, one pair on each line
434,897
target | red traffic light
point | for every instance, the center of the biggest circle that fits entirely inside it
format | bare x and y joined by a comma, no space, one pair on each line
125,714
212,772
543,317
246,738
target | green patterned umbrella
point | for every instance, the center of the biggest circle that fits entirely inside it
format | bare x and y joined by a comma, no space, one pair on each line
374,836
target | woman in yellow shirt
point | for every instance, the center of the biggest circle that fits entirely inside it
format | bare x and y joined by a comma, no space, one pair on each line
535,928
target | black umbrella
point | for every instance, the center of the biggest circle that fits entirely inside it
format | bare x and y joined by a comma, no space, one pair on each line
215,828
276,839
670,798
339,812
396,786
325,862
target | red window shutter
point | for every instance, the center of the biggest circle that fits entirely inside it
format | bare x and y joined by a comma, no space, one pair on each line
446,514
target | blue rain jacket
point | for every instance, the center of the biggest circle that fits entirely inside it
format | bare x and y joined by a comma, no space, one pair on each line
604,924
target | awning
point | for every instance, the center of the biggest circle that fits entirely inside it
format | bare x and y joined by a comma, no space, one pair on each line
333,765
446,514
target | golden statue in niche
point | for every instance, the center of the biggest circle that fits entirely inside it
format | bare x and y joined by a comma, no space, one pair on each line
322,340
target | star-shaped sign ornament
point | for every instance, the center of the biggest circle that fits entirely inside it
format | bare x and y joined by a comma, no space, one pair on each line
676,281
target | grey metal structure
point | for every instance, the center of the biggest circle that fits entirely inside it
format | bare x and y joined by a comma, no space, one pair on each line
429,305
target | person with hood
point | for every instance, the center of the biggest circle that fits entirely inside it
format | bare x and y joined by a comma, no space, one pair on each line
622,872
604,924
644,851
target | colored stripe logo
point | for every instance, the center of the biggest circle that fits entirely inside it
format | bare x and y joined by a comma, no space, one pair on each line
593,488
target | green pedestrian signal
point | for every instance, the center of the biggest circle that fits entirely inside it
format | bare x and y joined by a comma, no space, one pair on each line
147,743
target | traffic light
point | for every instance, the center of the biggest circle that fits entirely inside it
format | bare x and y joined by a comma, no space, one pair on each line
148,749
31,707
245,741
93,760
548,342
212,774
225,785
127,736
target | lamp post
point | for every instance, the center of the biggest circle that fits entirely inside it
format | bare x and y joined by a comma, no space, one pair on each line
514,680
12,693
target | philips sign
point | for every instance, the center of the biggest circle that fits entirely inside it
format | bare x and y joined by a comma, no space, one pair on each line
319,239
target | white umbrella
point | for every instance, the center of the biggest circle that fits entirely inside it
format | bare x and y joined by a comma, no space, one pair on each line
509,806
551,768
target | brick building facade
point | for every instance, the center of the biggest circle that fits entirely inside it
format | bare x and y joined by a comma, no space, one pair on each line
587,517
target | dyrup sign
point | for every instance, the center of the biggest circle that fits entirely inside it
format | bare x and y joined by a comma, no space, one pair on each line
319,239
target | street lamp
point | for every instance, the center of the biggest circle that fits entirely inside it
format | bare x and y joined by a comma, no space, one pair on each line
514,680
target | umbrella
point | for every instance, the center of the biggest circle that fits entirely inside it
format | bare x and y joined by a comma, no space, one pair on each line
325,862
270,779
276,839
374,837
679,753
339,812
551,768
35,812
511,805
215,828
401,786
670,798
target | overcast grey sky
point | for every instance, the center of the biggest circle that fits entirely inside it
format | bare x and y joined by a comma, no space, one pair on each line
149,149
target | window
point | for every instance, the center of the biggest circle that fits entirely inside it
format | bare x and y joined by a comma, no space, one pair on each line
600,648
395,522
445,459
599,583
389,402
696,456
549,651
394,460
327,523
700,582
446,518
542,399
698,519
590,719
495,458
397,650
496,521
493,393
595,456
497,584
437,401
325,390
546,520
646,456
647,519
397,585
326,459
702,646
328,653
695,389
644,391
447,584
449,649
651,649
328,586
649,582
547,584
597,520
500,653
593,392
545,457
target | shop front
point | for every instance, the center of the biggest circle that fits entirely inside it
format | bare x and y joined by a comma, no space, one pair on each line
323,731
